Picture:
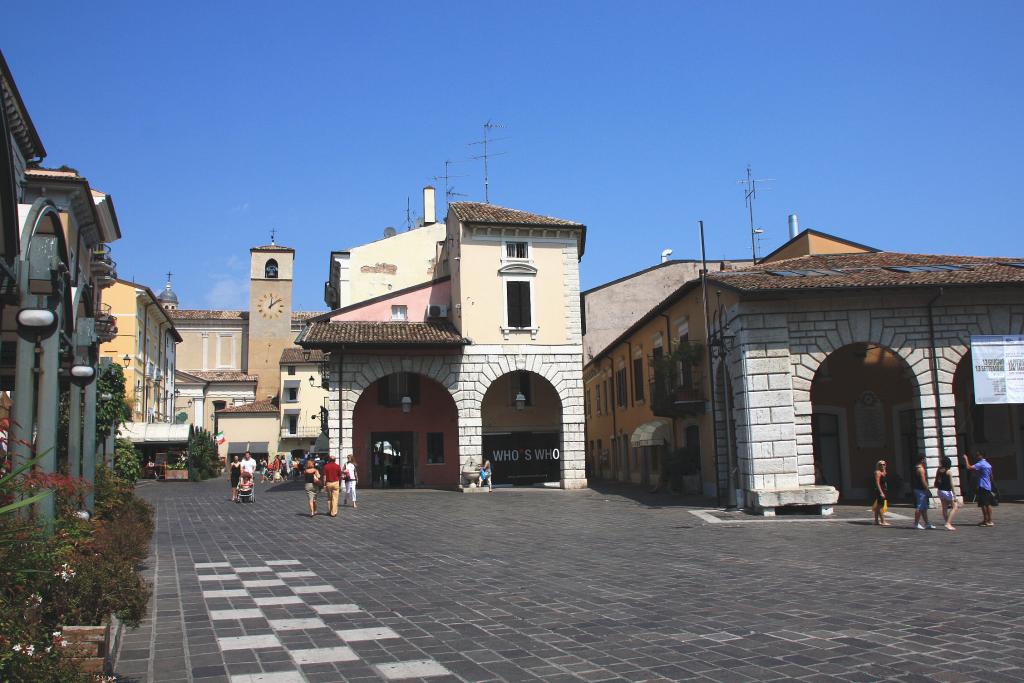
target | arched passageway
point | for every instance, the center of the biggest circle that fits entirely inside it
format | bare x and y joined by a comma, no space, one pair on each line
521,416
405,433
865,408
997,430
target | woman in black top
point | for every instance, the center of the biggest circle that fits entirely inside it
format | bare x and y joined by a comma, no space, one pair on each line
236,472
944,483
881,494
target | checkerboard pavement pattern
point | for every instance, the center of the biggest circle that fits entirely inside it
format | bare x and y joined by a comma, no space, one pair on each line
553,586
276,622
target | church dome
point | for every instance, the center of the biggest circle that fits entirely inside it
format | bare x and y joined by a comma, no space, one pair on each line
167,298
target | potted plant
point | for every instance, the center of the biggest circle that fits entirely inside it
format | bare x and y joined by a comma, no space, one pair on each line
177,469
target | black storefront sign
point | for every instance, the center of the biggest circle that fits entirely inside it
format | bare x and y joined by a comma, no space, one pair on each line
524,458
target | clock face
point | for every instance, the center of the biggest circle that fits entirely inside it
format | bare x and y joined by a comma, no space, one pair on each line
270,305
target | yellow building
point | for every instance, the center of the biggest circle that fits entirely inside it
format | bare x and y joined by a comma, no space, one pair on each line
303,400
145,346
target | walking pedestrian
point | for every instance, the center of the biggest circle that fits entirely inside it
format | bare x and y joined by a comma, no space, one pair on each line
983,471
236,473
486,476
944,485
922,495
350,477
332,482
248,464
881,503
312,485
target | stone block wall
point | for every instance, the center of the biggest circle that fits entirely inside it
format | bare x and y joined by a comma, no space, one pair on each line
467,376
779,345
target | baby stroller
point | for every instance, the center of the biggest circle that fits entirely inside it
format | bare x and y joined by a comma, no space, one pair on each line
246,488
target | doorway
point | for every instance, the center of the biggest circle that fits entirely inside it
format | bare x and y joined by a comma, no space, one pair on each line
392,460
827,450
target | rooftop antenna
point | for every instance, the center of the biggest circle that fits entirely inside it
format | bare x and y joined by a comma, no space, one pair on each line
408,214
749,195
450,192
486,155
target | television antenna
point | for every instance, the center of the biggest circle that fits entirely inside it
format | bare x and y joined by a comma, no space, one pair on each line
749,195
490,125
449,192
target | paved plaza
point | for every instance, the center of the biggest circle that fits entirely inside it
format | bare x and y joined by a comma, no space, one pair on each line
546,585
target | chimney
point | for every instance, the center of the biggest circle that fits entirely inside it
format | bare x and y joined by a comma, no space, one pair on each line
429,213
794,226
665,254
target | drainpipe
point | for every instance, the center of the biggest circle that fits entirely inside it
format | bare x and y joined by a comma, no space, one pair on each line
712,385
611,402
145,357
629,371
933,354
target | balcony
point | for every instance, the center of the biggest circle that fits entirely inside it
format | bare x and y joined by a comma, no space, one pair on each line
677,388
678,401
103,268
106,324
309,430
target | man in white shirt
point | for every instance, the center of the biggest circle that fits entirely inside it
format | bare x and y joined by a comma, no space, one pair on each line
248,464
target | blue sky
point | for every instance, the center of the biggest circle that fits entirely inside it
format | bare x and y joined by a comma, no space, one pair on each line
893,124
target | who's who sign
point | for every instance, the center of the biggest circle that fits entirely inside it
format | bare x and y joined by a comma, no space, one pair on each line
998,364
524,458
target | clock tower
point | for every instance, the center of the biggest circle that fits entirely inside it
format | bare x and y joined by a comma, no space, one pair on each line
270,314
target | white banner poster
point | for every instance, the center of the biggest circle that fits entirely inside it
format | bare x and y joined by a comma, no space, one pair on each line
998,362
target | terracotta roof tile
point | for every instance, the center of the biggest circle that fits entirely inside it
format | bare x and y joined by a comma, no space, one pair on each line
295,357
196,314
476,212
306,315
326,334
254,407
872,270
222,375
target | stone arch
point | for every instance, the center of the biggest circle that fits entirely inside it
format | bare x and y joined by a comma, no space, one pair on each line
352,374
564,371
270,269
859,327
835,408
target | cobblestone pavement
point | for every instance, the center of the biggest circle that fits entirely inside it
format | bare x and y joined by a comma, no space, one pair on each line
534,585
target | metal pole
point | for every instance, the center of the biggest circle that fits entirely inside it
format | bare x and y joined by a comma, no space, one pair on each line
711,364
89,442
46,411
23,417
75,431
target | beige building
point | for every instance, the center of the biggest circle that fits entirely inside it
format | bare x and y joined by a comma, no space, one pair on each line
392,263
480,359
231,358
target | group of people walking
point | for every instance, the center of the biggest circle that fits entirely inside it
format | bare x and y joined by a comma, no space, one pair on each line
339,481
331,478
943,483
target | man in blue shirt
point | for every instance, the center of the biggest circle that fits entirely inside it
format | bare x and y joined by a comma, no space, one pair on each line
983,471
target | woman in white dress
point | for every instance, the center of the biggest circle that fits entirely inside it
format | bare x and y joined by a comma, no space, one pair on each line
349,475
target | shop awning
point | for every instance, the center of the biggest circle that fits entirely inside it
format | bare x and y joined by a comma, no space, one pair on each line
259,447
237,447
653,433
154,432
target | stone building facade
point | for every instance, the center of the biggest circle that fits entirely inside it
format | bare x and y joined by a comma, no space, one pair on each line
822,359
508,376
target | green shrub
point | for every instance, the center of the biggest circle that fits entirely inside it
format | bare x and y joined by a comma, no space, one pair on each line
202,452
127,461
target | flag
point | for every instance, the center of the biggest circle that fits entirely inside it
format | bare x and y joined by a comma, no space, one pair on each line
220,438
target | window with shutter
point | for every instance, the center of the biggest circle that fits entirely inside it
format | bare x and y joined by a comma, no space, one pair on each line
518,298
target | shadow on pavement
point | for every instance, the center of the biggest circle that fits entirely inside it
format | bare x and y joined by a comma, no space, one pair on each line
643,496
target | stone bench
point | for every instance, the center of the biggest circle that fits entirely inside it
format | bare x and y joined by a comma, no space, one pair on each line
764,502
